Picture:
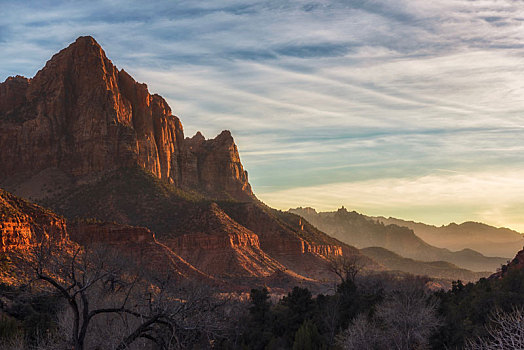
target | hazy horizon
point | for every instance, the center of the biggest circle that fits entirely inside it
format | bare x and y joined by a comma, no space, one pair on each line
396,108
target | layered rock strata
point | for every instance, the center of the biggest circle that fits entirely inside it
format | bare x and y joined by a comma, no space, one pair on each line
23,224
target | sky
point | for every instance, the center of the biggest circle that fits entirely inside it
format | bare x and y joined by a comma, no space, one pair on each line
405,108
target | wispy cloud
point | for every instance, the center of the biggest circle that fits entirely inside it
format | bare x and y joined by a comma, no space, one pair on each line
315,92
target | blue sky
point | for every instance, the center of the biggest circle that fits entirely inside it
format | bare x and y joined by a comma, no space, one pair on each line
408,108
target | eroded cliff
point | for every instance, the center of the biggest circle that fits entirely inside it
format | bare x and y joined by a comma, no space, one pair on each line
23,224
82,116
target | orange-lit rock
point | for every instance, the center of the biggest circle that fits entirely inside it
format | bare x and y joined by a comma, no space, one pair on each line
516,264
23,224
139,245
83,116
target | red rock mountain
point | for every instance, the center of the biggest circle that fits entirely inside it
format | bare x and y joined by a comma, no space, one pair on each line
88,141
81,117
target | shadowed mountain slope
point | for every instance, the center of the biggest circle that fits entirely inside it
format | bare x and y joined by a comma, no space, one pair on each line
23,225
434,269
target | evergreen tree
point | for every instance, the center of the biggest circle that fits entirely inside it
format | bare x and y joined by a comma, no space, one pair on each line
307,337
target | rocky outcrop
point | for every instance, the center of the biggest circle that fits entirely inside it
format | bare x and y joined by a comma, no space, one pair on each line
23,224
12,94
291,240
214,166
83,116
284,233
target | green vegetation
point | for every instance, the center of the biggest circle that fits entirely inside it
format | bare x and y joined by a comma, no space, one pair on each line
301,321
466,308
131,196
371,312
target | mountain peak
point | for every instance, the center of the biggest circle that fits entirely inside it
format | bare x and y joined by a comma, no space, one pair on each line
88,118
86,39
86,44
83,46
225,134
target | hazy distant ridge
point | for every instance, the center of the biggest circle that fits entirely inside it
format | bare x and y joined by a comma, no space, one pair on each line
363,231
488,240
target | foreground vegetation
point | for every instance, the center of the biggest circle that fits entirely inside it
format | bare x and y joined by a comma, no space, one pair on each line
96,300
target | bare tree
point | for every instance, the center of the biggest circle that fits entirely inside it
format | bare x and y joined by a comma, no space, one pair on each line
106,294
409,318
363,334
506,331
346,267
405,320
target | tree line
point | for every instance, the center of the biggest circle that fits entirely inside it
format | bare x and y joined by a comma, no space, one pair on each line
97,298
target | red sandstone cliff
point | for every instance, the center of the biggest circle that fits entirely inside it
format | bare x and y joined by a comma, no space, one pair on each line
23,224
83,116
139,244
291,240
86,234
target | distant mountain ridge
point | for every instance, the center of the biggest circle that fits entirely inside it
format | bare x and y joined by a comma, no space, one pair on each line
362,232
488,240
435,269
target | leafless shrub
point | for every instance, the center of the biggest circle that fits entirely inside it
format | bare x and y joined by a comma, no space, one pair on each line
346,267
405,320
505,329
363,334
16,343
